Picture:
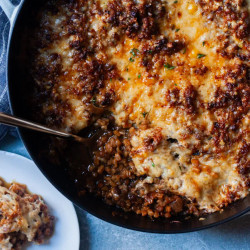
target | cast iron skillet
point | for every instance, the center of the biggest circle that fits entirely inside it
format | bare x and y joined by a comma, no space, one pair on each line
37,146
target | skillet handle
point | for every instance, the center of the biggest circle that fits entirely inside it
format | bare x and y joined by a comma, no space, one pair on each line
8,8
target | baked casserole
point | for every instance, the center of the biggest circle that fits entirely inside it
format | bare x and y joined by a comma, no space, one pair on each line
171,79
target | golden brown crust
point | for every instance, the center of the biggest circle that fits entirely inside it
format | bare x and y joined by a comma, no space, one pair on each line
176,73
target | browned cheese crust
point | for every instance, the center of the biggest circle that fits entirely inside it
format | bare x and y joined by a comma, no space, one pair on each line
175,77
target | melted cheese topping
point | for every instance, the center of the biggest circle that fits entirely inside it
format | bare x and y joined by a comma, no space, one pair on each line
179,82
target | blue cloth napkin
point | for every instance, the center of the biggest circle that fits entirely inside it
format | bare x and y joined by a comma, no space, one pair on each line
4,103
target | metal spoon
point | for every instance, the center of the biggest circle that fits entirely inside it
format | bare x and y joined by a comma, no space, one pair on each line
17,122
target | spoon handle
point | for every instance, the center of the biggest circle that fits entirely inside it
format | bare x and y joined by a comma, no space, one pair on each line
17,122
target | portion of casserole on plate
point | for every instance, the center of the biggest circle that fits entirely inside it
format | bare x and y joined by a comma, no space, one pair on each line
24,217
172,81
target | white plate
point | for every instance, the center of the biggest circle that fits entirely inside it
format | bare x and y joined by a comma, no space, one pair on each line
66,236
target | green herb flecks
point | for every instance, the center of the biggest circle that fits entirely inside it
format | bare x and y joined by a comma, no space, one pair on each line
153,165
134,52
144,114
169,66
177,30
203,43
93,100
176,1
139,76
200,56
